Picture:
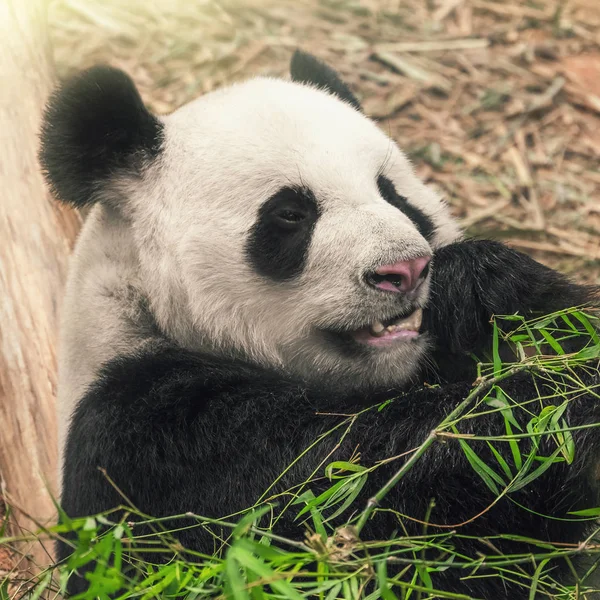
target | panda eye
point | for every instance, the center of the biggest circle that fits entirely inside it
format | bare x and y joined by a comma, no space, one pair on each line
290,208
279,240
289,216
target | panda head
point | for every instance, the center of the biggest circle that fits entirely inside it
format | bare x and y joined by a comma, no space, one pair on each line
271,220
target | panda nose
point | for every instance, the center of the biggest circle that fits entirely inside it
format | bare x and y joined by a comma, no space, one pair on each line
404,276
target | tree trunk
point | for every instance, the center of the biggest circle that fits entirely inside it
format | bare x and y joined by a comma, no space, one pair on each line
35,239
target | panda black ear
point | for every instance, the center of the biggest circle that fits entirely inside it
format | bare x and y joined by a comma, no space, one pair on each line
95,128
305,68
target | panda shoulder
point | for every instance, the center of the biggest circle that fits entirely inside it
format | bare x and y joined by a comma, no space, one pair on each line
162,382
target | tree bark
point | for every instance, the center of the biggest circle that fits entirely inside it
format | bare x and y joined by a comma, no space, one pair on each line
35,238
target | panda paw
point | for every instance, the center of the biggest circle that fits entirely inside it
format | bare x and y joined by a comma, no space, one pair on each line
474,280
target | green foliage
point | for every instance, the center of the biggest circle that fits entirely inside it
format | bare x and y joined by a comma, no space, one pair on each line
253,563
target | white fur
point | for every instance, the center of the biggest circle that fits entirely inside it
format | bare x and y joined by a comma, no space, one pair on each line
179,241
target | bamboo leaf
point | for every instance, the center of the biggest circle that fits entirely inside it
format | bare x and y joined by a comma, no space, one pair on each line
553,343
250,562
503,464
496,350
384,586
353,492
235,585
488,475
323,498
249,520
521,482
587,512
536,577
341,465
592,331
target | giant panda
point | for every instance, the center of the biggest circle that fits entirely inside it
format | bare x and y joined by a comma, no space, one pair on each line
253,267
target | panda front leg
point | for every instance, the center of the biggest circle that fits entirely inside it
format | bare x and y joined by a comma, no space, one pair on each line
474,280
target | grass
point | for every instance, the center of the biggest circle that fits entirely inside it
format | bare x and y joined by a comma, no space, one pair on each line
253,563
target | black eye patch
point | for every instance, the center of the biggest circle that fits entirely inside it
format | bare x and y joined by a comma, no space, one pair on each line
278,244
421,221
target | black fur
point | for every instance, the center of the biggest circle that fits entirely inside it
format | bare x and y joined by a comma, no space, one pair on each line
95,126
278,244
305,68
422,222
178,431
475,279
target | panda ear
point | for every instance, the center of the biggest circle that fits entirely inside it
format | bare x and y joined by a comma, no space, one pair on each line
95,128
305,68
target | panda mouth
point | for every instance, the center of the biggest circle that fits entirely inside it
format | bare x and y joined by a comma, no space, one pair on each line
400,328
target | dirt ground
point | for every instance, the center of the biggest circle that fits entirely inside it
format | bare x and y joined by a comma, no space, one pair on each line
497,102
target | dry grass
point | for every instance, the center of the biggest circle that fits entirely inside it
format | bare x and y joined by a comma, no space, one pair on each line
498,101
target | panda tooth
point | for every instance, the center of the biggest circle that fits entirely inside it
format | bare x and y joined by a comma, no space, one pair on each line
377,329
419,318
412,322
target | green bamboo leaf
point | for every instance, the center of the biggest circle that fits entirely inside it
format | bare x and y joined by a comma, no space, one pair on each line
536,577
541,423
256,591
589,353
315,513
521,482
496,350
425,577
323,498
318,524
334,591
553,343
249,520
510,317
500,400
341,465
353,492
235,586
152,575
592,331
532,338
569,323
118,555
384,404
566,440
558,413
503,464
488,475
248,560
354,588
519,337
382,579
167,575
587,512
544,322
